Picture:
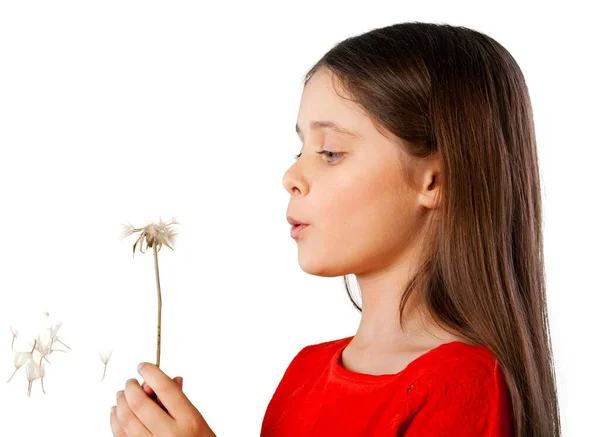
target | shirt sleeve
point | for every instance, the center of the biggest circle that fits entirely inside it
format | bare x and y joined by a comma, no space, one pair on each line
469,401
290,379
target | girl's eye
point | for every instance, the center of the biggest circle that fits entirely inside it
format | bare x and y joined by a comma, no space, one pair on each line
323,152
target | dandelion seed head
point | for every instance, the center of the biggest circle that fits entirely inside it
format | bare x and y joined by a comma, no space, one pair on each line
154,235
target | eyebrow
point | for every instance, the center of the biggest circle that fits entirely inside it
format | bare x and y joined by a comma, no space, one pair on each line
318,124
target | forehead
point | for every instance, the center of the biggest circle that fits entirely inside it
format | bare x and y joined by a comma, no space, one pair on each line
321,102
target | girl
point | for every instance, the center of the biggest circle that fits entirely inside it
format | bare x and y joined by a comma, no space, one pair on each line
418,174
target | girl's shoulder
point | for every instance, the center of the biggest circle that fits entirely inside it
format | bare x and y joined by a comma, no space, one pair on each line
461,386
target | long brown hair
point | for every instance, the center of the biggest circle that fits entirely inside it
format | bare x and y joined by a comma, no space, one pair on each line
458,92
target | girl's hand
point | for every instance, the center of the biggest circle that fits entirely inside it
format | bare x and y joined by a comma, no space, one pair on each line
137,415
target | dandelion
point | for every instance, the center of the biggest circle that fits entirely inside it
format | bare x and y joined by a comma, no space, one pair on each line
155,235
105,355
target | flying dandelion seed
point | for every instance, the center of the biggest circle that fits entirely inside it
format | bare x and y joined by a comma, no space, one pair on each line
55,338
35,371
155,235
33,359
20,359
105,355
15,334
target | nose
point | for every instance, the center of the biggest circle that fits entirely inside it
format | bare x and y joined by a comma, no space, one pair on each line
293,181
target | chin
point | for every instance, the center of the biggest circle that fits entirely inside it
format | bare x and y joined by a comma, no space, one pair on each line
324,269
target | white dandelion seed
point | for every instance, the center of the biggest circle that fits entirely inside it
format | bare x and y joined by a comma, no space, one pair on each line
19,359
105,355
15,334
35,355
54,338
35,370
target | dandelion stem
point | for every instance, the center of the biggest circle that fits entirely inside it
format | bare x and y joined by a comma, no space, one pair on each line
159,305
104,373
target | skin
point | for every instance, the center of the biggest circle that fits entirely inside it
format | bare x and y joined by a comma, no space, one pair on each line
364,218
136,414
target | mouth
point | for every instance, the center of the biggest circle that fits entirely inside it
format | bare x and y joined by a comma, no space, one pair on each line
297,229
297,226
292,221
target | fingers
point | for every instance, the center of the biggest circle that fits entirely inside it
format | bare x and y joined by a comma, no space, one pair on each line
127,421
178,380
147,389
114,424
168,391
145,411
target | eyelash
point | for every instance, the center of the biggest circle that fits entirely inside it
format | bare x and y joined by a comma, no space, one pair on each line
322,152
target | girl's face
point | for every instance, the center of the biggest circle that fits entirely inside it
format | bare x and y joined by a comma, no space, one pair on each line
349,187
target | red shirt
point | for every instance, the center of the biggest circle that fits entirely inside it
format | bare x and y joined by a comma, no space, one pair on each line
455,389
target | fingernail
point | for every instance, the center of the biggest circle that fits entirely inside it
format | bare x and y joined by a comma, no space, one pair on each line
119,394
140,366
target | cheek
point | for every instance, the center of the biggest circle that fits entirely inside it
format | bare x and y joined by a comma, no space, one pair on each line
376,205
344,210
357,223
351,208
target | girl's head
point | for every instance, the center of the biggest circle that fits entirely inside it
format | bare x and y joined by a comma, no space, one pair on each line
350,184
439,171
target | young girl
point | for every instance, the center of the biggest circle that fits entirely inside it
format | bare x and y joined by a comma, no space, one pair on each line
418,174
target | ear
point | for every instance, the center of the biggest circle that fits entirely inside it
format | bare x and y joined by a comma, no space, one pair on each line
430,184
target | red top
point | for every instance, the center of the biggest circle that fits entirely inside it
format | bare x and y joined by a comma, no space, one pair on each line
455,389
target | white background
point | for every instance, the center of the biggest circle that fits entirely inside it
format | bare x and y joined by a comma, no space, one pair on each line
123,111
